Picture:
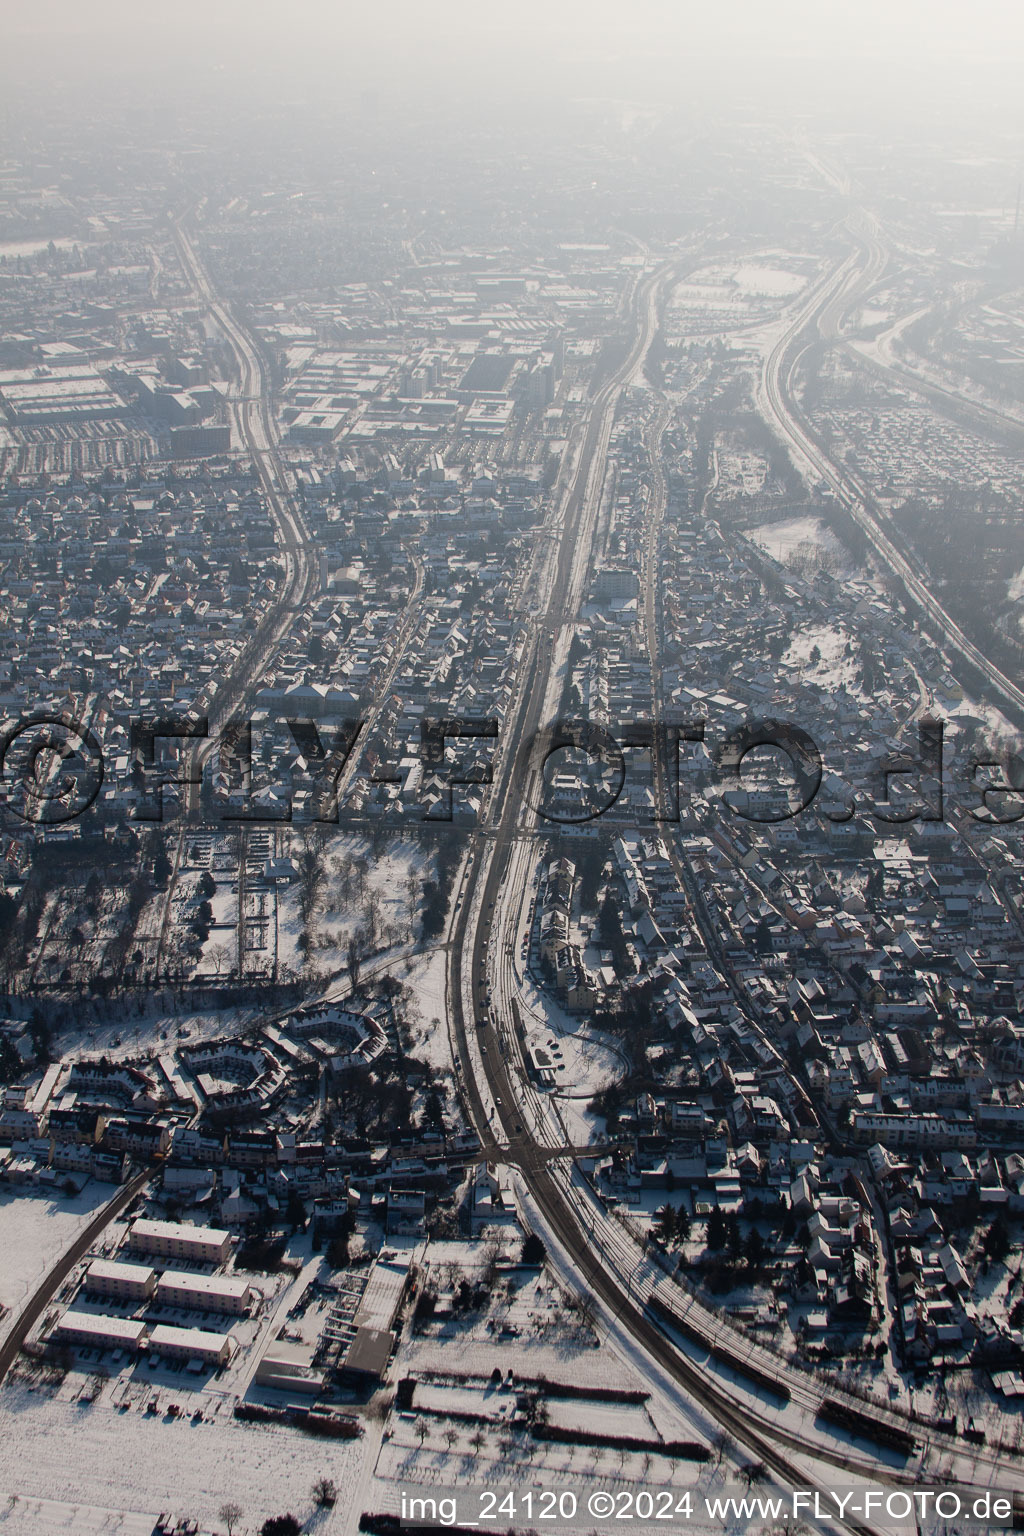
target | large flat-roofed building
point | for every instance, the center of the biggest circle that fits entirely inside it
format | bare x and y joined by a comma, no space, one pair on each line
367,1357
177,1240
35,396
94,1331
199,442
316,426
191,1344
204,1293
128,1282
288,1368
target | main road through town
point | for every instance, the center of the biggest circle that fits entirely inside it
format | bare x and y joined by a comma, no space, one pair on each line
489,1051
255,428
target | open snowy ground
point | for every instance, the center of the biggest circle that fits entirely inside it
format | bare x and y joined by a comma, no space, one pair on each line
794,536
35,1229
825,654
120,1031
89,1461
427,1006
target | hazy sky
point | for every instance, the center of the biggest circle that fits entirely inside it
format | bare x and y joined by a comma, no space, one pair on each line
886,57
879,29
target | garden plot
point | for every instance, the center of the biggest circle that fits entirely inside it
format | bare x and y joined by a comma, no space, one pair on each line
590,1418
477,1401
441,1459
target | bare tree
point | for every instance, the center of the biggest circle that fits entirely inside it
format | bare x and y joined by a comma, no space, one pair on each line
230,1513
220,955
586,1311
492,1253
325,1493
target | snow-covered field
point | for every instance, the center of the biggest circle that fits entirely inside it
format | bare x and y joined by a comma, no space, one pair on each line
35,1229
120,1031
426,980
89,1458
373,896
768,282
794,536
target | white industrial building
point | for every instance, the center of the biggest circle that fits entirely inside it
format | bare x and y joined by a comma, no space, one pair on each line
178,1240
204,1293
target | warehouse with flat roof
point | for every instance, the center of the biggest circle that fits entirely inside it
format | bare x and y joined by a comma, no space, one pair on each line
128,1282
289,1368
178,1240
191,1344
366,1359
94,1331
204,1293
72,393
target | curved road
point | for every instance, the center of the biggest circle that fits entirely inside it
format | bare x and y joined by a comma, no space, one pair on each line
822,314
497,866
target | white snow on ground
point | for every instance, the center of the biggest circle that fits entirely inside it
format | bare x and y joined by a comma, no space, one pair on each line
95,1457
41,1517
999,729
119,1031
35,1229
770,282
427,981
375,895
584,1061
601,1418
798,535
819,653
